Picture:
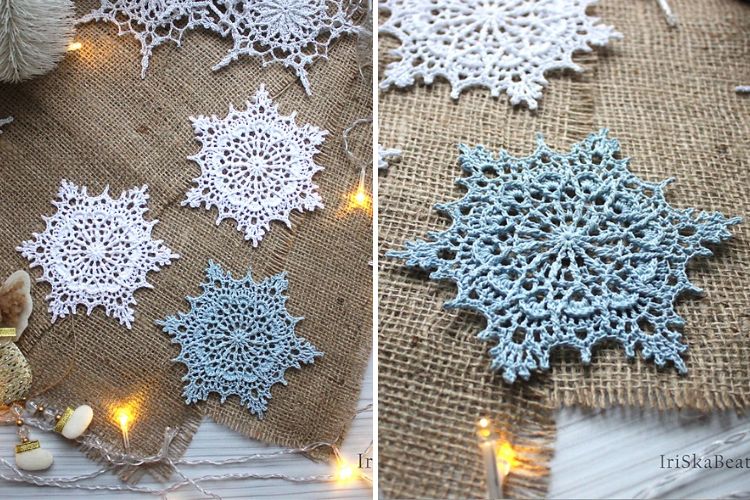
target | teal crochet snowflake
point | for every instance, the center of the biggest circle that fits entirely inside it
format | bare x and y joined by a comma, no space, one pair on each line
567,249
238,339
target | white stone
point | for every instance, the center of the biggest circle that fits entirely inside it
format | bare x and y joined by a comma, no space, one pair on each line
34,460
78,422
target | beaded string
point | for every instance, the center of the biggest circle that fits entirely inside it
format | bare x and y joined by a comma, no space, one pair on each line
27,407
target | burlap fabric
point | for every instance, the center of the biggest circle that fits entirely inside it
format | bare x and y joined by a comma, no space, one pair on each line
95,122
434,382
668,95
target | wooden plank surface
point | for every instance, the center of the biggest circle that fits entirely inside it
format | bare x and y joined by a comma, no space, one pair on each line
617,452
215,442
599,454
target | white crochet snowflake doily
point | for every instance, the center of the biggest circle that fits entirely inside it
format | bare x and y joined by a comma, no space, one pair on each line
504,45
154,23
256,166
294,33
96,251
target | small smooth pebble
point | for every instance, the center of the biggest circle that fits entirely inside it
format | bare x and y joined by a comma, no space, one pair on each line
34,460
78,423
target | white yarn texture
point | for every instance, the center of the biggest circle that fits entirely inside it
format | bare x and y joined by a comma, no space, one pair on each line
503,45
5,121
256,166
294,33
154,23
96,251
386,155
34,36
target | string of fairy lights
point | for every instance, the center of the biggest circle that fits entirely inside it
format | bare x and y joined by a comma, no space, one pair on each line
125,417
360,197
498,457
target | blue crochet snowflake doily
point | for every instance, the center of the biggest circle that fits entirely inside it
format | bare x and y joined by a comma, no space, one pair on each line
238,339
567,249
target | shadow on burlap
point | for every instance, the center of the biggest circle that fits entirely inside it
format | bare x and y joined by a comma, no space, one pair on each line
673,107
95,122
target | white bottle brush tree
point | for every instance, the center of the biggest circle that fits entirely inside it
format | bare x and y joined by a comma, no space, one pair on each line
34,35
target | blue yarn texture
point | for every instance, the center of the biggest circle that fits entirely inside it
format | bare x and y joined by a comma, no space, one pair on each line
567,249
238,339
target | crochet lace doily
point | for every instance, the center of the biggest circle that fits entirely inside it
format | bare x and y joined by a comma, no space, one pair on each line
385,155
256,166
238,339
503,45
567,249
155,23
294,33
96,251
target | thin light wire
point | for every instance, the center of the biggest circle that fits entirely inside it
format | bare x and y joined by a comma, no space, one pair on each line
69,369
119,459
364,62
364,46
345,140
257,456
68,483
116,459
668,14
194,484
364,409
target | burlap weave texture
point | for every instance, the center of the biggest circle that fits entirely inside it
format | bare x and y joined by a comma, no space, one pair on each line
434,381
95,122
668,96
